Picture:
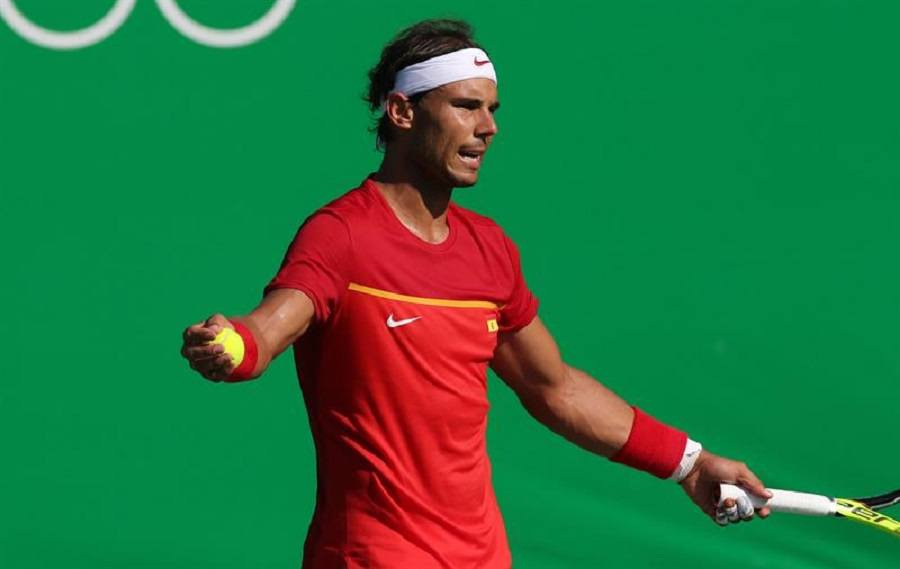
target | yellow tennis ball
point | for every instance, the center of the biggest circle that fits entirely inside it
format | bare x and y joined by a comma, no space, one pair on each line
233,344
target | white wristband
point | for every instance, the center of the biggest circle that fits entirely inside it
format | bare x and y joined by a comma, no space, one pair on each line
691,454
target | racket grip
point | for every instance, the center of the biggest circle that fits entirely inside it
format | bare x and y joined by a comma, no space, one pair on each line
783,501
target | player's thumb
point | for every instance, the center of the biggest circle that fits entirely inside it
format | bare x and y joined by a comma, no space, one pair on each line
749,481
217,322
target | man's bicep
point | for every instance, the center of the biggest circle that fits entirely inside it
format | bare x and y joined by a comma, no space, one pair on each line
528,360
283,316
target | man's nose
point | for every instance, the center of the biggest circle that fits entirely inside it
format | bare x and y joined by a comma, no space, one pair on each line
487,125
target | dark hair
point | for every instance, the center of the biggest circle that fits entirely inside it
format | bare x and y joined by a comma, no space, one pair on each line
427,39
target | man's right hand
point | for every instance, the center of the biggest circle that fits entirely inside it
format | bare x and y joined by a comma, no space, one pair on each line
208,359
281,318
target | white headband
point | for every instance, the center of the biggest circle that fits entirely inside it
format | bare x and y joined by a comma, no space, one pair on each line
469,63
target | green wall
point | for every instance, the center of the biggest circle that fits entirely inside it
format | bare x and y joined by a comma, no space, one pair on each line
706,199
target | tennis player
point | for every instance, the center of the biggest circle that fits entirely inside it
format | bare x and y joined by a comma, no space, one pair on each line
396,300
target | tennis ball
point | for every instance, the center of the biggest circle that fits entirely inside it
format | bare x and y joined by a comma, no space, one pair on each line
233,344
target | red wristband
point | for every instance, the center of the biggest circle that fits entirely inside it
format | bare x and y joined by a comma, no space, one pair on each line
251,354
652,446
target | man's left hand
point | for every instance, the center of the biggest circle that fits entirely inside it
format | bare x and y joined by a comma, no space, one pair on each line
702,486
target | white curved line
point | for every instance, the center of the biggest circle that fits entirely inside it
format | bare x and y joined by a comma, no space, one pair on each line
76,39
214,37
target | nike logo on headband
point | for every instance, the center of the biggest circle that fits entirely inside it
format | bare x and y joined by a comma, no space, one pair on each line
480,63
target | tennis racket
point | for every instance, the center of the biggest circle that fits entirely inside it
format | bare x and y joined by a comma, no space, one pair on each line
862,510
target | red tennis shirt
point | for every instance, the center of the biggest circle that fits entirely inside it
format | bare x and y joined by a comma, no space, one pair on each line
393,373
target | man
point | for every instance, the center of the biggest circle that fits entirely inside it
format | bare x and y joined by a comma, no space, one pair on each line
396,301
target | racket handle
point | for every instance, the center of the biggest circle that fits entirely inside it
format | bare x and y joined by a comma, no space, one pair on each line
783,501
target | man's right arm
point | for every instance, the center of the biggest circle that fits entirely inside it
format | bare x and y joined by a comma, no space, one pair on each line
283,316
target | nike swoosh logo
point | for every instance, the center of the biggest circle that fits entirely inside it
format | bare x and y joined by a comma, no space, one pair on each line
395,323
480,63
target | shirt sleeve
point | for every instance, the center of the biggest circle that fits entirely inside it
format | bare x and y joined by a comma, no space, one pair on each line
317,262
522,306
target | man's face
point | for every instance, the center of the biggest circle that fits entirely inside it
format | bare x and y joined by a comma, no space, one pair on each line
453,127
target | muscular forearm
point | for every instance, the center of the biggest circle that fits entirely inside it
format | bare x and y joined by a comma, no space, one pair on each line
583,411
276,324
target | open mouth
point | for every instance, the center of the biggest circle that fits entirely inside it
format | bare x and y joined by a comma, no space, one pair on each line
471,158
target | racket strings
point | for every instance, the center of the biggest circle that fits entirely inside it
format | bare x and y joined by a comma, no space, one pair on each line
882,501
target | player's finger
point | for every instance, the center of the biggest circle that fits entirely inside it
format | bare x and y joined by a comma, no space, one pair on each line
721,516
764,512
202,351
217,375
750,482
724,510
217,322
206,351
222,372
211,365
198,334
190,330
745,508
219,362
732,513
212,377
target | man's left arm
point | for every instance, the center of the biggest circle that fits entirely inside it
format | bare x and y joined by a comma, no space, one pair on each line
579,408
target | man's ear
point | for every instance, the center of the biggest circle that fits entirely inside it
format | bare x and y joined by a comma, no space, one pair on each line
399,110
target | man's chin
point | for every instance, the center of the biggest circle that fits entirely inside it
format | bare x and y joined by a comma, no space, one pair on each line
466,180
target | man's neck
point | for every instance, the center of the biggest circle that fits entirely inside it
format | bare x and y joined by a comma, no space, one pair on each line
419,204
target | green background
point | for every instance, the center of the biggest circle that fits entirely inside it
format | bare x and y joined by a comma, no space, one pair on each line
706,199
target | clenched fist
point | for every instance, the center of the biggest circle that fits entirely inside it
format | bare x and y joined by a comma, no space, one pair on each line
210,360
702,486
